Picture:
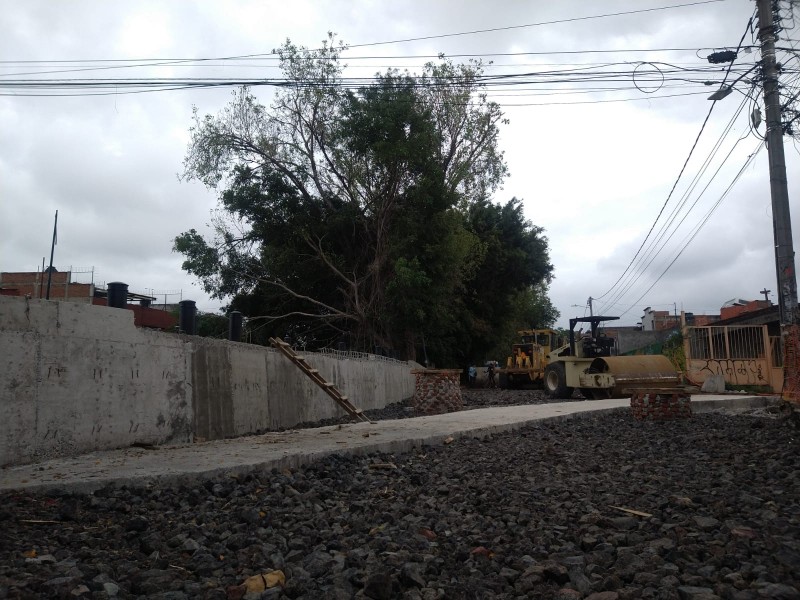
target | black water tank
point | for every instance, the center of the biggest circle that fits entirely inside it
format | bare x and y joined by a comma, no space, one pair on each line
187,318
118,294
235,326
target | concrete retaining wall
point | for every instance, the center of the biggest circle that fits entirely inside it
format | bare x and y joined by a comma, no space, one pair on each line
76,378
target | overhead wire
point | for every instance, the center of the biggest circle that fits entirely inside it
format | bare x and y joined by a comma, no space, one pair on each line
653,251
680,174
573,78
691,236
539,24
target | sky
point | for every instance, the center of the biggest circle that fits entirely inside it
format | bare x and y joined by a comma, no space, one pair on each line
594,163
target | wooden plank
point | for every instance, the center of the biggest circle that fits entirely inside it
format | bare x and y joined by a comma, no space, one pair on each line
638,513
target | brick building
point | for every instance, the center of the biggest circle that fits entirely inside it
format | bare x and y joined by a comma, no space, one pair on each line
737,306
34,285
662,320
62,288
659,320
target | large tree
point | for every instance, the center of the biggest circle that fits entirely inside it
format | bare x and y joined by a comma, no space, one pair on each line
347,214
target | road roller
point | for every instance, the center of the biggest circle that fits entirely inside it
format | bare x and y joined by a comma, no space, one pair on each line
586,362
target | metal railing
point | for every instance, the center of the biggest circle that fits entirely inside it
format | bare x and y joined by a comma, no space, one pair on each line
776,351
728,342
351,355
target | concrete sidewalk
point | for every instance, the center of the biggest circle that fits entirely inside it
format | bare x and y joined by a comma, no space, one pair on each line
185,463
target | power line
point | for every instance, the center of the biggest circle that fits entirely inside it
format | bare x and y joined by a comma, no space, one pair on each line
655,75
686,242
652,251
539,24
144,62
683,168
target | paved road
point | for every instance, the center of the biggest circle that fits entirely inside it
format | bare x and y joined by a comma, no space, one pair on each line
280,450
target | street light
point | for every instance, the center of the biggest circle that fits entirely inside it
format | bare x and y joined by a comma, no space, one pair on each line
721,93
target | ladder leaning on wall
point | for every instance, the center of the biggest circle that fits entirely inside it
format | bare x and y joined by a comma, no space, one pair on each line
313,374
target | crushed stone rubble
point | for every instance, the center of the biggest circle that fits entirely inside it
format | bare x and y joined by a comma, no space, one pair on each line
471,398
600,507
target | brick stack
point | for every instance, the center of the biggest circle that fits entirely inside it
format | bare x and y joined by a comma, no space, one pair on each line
437,391
661,405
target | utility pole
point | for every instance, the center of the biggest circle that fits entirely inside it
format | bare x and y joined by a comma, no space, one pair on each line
591,309
781,222
52,250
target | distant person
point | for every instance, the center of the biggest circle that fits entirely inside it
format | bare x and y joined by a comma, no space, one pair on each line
473,375
490,374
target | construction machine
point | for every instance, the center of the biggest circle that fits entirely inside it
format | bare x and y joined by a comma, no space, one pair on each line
586,362
529,358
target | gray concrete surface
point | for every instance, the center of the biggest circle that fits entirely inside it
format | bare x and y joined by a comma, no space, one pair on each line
76,378
190,462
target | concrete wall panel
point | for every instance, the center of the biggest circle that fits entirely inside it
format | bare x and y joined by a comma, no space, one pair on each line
76,378
18,391
249,388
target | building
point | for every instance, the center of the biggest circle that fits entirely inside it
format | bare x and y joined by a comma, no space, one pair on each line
737,306
662,320
659,320
64,289
34,285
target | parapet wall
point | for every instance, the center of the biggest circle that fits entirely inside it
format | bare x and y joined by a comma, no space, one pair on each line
76,378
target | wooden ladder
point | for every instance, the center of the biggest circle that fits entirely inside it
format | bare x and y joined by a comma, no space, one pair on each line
313,374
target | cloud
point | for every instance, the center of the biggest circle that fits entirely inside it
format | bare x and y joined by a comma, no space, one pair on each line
593,175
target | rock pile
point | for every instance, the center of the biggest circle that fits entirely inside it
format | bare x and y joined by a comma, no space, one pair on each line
601,507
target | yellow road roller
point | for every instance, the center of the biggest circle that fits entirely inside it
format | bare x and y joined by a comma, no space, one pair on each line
587,363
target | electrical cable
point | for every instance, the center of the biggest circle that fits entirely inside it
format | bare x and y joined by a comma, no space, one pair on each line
539,24
680,174
652,256
651,253
700,226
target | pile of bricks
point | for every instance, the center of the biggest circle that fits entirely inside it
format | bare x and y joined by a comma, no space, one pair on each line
660,405
437,391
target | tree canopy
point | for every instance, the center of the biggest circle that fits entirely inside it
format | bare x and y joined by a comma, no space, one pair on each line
364,216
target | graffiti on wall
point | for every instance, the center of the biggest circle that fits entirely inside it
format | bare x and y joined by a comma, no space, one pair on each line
738,372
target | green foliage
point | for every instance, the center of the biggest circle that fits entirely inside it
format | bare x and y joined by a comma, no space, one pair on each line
212,325
530,309
673,349
363,216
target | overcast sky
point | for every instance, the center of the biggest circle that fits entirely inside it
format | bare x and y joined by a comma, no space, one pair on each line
593,172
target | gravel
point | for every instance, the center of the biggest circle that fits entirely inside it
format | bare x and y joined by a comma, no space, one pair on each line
600,507
473,398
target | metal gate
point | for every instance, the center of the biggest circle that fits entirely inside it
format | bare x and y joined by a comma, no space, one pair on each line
743,355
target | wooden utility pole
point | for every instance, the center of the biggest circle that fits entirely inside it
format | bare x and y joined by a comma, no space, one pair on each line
781,222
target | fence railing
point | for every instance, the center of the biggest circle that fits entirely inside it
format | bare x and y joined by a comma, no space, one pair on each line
726,343
350,355
744,355
776,351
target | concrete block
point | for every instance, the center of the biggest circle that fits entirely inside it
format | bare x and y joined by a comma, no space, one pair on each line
714,384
